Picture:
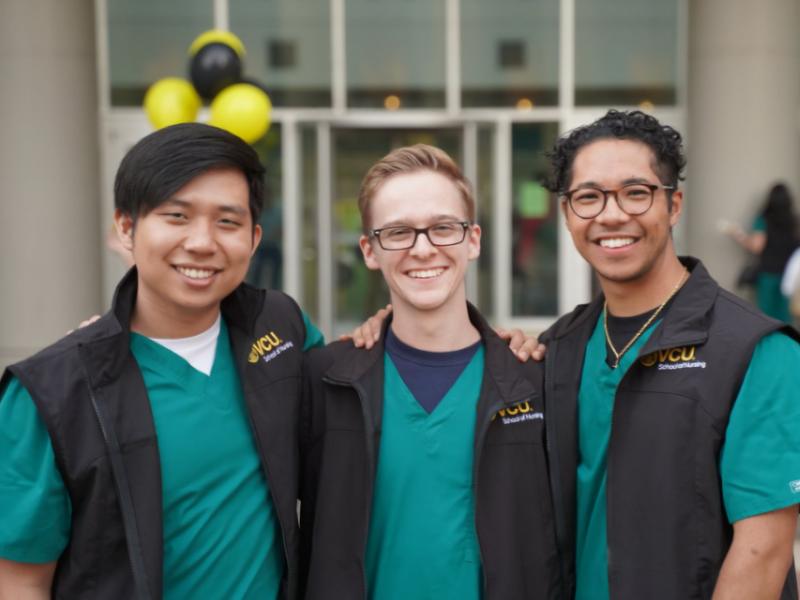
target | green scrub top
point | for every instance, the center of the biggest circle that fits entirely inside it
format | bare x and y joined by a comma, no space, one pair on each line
759,463
422,543
221,536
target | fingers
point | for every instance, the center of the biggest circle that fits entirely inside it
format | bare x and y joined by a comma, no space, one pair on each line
83,324
368,333
523,346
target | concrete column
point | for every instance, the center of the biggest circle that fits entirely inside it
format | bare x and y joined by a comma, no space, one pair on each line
49,230
744,97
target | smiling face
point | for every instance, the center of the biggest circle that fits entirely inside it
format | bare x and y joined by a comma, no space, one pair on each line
623,249
424,277
190,252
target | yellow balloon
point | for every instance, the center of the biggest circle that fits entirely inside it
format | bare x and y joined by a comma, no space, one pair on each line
171,100
217,35
243,109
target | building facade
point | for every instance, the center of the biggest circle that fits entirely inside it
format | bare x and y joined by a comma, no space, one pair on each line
493,83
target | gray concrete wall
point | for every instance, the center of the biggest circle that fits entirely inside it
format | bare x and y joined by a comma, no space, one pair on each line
744,96
49,179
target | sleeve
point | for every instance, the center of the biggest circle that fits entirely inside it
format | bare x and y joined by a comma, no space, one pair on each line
759,224
34,502
760,458
314,337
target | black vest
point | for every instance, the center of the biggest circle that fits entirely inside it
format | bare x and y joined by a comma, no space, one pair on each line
91,396
667,530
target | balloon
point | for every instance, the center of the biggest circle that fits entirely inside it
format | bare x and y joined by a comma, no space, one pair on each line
171,100
243,109
217,35
214,67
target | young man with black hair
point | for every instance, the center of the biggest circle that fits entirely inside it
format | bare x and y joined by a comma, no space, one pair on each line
424,470
673,444
153,452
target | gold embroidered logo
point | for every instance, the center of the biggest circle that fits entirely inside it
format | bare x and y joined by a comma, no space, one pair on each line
263,345
522,411
684,357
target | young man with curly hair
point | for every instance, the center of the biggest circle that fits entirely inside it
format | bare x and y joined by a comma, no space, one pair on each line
674,419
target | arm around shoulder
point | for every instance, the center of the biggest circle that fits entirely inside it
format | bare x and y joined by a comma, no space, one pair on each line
25,581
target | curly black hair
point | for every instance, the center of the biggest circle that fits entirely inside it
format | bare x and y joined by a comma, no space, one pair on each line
663,140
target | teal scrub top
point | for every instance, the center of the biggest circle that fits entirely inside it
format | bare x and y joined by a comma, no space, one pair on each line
221,536
422,543
759,462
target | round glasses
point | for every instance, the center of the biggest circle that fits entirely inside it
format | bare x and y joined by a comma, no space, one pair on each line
403,237
633,199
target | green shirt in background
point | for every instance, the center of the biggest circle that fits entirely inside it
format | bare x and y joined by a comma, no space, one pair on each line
422,542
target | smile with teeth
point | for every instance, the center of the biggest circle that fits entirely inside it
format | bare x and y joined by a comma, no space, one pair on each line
426,273
616,242
193,273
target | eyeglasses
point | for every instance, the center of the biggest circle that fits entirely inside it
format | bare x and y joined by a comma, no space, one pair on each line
403,237
633,199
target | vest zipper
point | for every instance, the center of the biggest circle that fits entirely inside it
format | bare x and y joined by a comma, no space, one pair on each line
125,499
550,427
366,414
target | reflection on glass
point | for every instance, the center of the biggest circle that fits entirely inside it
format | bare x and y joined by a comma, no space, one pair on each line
310,247
149,40
626,52
266,266
288,48
485,199
509,53
395,54
359,291
535,230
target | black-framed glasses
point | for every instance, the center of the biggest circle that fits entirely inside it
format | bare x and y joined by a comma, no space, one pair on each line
634,199
403,237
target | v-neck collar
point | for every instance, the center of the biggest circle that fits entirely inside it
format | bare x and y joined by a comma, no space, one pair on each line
161,359
446,405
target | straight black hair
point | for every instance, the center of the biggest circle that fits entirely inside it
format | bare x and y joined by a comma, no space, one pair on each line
164,161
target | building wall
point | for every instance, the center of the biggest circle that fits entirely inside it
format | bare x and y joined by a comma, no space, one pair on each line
744,94
49,242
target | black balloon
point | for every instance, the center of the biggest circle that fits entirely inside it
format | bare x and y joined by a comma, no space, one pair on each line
214,67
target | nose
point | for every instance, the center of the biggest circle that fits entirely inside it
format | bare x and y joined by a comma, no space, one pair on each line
200,237
612,213
422,246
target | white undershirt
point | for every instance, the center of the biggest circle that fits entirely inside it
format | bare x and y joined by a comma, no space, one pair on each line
198,350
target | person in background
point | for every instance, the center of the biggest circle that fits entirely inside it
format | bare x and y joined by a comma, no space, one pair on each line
773,239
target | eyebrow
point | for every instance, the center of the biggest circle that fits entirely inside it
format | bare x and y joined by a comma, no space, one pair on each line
443,218
594,184
224,208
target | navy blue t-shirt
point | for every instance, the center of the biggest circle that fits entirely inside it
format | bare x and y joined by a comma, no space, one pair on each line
428,375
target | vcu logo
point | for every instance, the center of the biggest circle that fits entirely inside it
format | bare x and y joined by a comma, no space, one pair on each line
684,357
263,345
518,413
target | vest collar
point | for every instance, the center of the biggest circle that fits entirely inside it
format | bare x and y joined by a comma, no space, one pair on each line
357,366
686,322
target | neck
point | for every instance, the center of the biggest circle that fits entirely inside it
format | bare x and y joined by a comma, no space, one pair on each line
435,331
636,296
156,321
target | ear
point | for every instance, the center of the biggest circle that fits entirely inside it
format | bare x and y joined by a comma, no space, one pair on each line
365,243
474,241
677,207
257,233
565,209
123,225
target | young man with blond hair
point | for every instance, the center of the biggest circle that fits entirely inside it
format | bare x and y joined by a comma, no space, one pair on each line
423,458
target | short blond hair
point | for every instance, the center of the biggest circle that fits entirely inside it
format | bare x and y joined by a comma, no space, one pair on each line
410,159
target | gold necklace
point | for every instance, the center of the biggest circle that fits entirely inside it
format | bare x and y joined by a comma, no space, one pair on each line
643,328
